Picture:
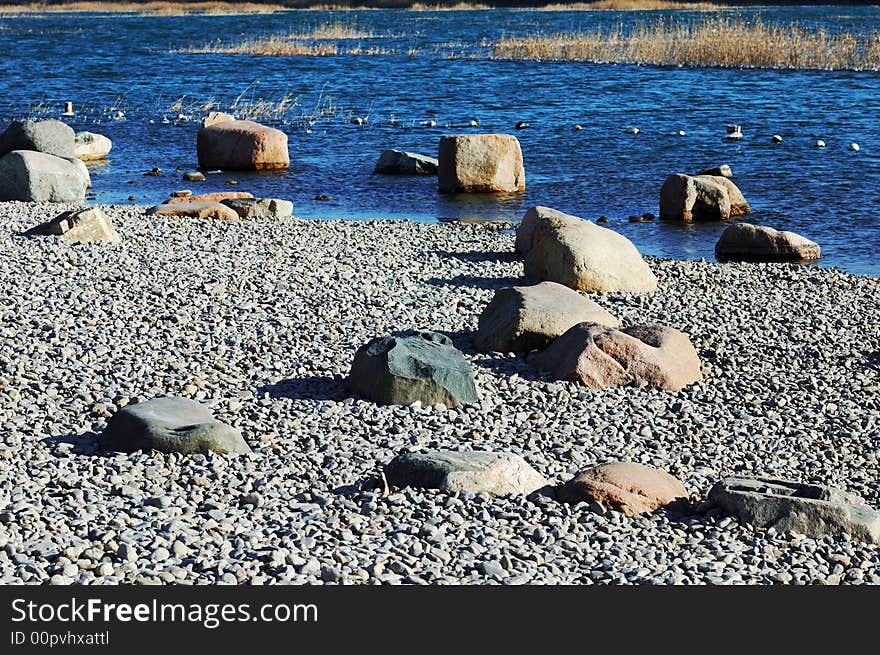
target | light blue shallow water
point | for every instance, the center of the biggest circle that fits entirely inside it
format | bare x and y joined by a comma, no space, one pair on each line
127,62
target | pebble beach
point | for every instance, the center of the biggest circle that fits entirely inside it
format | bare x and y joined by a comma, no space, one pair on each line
260,320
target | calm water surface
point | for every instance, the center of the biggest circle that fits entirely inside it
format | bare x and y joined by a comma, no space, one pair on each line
127,63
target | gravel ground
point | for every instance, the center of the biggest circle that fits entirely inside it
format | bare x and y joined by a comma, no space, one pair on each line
261,321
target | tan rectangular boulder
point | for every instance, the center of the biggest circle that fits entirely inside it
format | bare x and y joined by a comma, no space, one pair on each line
197,210
480,163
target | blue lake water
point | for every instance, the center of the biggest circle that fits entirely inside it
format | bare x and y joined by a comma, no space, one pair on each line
106,64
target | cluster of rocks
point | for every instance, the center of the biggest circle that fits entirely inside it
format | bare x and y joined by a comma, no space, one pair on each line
225,206
789,395
711,195
38,163
466,163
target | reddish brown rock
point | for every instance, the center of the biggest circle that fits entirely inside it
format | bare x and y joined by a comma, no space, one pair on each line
220,196
625,487
231,144
600,357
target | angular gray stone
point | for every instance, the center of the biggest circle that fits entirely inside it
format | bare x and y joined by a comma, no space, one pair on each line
80,225
38,177
519,319
170,425
701,197
494,473
401,369
51,137
260,208
399,162
746,242
811,509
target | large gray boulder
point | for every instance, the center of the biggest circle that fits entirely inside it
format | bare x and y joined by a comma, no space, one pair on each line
519,319
423,366
170,425
746,242
494,473
701,197
399,162
51,137
580,254
80,225
811,509
38,177
600,357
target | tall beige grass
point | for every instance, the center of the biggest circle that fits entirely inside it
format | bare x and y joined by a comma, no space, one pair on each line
629,5
720,42
321,40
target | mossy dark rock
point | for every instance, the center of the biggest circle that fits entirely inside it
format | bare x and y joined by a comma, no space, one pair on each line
171,425
401,369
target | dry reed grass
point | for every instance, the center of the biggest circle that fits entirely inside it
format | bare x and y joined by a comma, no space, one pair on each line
718,42
157,8
630,5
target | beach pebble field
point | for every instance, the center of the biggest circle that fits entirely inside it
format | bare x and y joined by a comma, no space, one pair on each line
261,319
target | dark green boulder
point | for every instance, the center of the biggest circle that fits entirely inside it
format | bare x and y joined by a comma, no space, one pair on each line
401,369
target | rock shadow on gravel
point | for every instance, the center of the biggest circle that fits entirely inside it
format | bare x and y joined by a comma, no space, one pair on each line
480,256
87,443
309,388
479,282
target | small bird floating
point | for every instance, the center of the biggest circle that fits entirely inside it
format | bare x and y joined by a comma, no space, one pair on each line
682,133
431,123
522,125
777,138
578,128
820,143
855,147
632,130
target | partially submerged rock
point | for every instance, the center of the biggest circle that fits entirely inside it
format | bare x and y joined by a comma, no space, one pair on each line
600,357
170,425
90,146
494,473
746,242
399,162
230,144
723,171
811,509
701,197
519,319
476,163
213,210
580,254
80,225
260,208
51,137
39,177
423,366
625,487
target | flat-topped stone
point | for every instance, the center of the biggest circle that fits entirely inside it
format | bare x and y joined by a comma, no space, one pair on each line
170,425
811,509
478,163
213,210
260,208
452,471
